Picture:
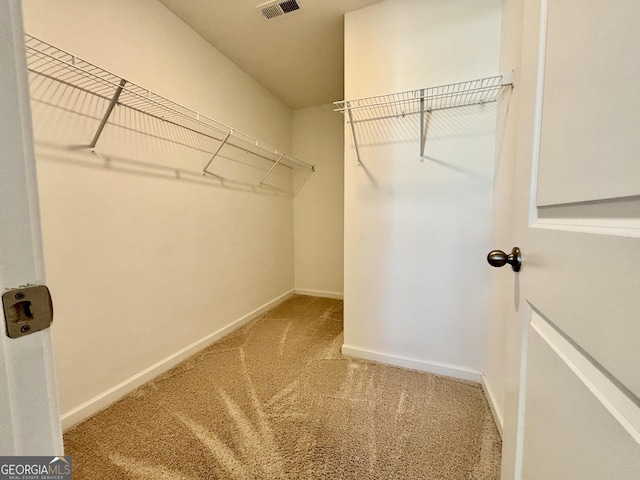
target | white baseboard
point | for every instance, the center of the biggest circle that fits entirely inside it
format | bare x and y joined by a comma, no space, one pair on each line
493,405
115,393
320,293
415,364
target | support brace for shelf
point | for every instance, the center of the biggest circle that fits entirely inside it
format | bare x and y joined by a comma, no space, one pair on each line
425,117
353,133
271,169
107,114
423,133
215,154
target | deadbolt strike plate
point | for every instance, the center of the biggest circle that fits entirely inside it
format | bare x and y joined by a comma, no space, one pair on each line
27,310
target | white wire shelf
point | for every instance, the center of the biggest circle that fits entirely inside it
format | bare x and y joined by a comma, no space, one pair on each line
420,102
53,63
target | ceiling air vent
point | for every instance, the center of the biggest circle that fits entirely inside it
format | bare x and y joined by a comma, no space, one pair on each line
278,7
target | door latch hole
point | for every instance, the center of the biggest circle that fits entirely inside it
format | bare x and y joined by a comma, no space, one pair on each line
20,312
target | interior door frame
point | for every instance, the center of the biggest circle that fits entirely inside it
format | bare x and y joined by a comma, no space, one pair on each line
29,411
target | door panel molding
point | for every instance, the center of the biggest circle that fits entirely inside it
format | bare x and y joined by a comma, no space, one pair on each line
622,405
619,207
538,110
614,216
569,432
589,129
596,226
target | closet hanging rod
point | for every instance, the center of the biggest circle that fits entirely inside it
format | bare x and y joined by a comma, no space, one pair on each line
56,64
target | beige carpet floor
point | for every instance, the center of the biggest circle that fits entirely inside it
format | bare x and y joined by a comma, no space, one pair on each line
276,400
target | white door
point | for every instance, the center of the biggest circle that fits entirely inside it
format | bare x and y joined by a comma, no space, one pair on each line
29,416
573,412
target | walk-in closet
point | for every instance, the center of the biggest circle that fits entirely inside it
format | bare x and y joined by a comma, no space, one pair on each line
265,228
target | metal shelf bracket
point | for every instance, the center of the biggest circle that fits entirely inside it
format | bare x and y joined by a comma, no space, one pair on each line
271,169
107,114
355,139
215,154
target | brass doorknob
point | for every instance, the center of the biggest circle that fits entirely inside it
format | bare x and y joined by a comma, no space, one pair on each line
497,258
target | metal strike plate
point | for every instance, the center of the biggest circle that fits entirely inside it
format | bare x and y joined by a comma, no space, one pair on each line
27,310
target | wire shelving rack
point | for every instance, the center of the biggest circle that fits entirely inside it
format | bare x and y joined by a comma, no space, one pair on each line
51,62
421,102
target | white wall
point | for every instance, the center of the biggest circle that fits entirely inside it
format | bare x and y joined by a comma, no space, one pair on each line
147,262
318,137
417,234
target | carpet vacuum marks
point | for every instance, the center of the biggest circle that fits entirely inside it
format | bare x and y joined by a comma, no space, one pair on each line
275,399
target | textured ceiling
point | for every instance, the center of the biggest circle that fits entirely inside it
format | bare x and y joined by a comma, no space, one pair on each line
298,56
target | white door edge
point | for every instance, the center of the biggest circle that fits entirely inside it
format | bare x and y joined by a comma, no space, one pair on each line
29,411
